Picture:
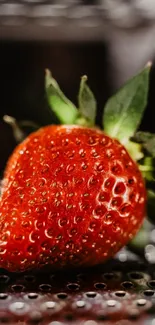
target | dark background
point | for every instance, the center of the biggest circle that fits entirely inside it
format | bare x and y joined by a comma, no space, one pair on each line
22,66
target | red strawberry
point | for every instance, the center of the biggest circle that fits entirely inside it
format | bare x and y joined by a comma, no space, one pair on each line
71,196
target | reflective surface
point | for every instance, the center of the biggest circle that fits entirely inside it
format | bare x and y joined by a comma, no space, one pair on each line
116,293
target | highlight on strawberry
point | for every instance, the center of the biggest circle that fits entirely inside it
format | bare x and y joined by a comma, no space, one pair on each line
73,194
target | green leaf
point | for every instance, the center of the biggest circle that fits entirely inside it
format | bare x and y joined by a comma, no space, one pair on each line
143,137
135,150
151,205
147,167
150,146
87,101
124,111
63,108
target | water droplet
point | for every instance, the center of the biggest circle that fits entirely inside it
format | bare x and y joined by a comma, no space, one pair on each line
84,166
2,250
62,222
69,154
70,168
49,232
34,236
42,182
82,153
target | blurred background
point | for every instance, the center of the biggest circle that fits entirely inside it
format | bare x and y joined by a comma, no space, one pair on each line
109,40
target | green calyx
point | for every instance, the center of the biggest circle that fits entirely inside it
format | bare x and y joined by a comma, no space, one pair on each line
122,116
64,109
122,113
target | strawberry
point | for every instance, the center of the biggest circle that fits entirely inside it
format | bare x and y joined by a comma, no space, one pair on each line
71,196
67,191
